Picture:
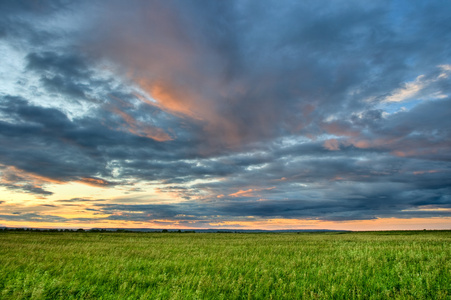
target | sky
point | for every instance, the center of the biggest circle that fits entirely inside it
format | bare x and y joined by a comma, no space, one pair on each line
225,114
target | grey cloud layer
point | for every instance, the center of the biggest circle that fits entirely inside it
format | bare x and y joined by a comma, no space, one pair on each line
281,110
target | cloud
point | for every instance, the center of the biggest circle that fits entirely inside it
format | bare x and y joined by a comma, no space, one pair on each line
76,200
32,217
16,179
97,182
409,90
249,192
422,88
332,144
231,109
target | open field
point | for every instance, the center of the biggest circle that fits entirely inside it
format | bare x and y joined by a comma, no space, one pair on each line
89,265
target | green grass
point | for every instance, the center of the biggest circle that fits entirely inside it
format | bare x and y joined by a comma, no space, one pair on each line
87,265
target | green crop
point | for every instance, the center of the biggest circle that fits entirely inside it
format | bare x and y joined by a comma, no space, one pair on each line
354,265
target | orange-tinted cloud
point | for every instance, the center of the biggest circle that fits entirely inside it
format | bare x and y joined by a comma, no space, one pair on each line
18,179
242,193
186,100
141,129
13,174
414,152
170,98
95,182
340,129
332,144
250,192
425,172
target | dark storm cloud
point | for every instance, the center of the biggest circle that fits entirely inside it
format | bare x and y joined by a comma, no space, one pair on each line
22,21
32,217
371,207
76,200
38,138
69,66
261,109
27,188
62,149
422,131
286,59
61,73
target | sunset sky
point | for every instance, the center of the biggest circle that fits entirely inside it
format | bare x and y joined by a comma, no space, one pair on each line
225,114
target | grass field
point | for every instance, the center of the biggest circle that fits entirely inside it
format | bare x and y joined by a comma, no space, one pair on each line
88,265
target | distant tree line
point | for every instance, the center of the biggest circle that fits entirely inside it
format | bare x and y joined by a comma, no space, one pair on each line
93,230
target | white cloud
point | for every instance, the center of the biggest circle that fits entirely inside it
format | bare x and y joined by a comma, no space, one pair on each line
421,88
409,90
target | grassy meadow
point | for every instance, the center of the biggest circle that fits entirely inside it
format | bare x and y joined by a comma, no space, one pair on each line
110,265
